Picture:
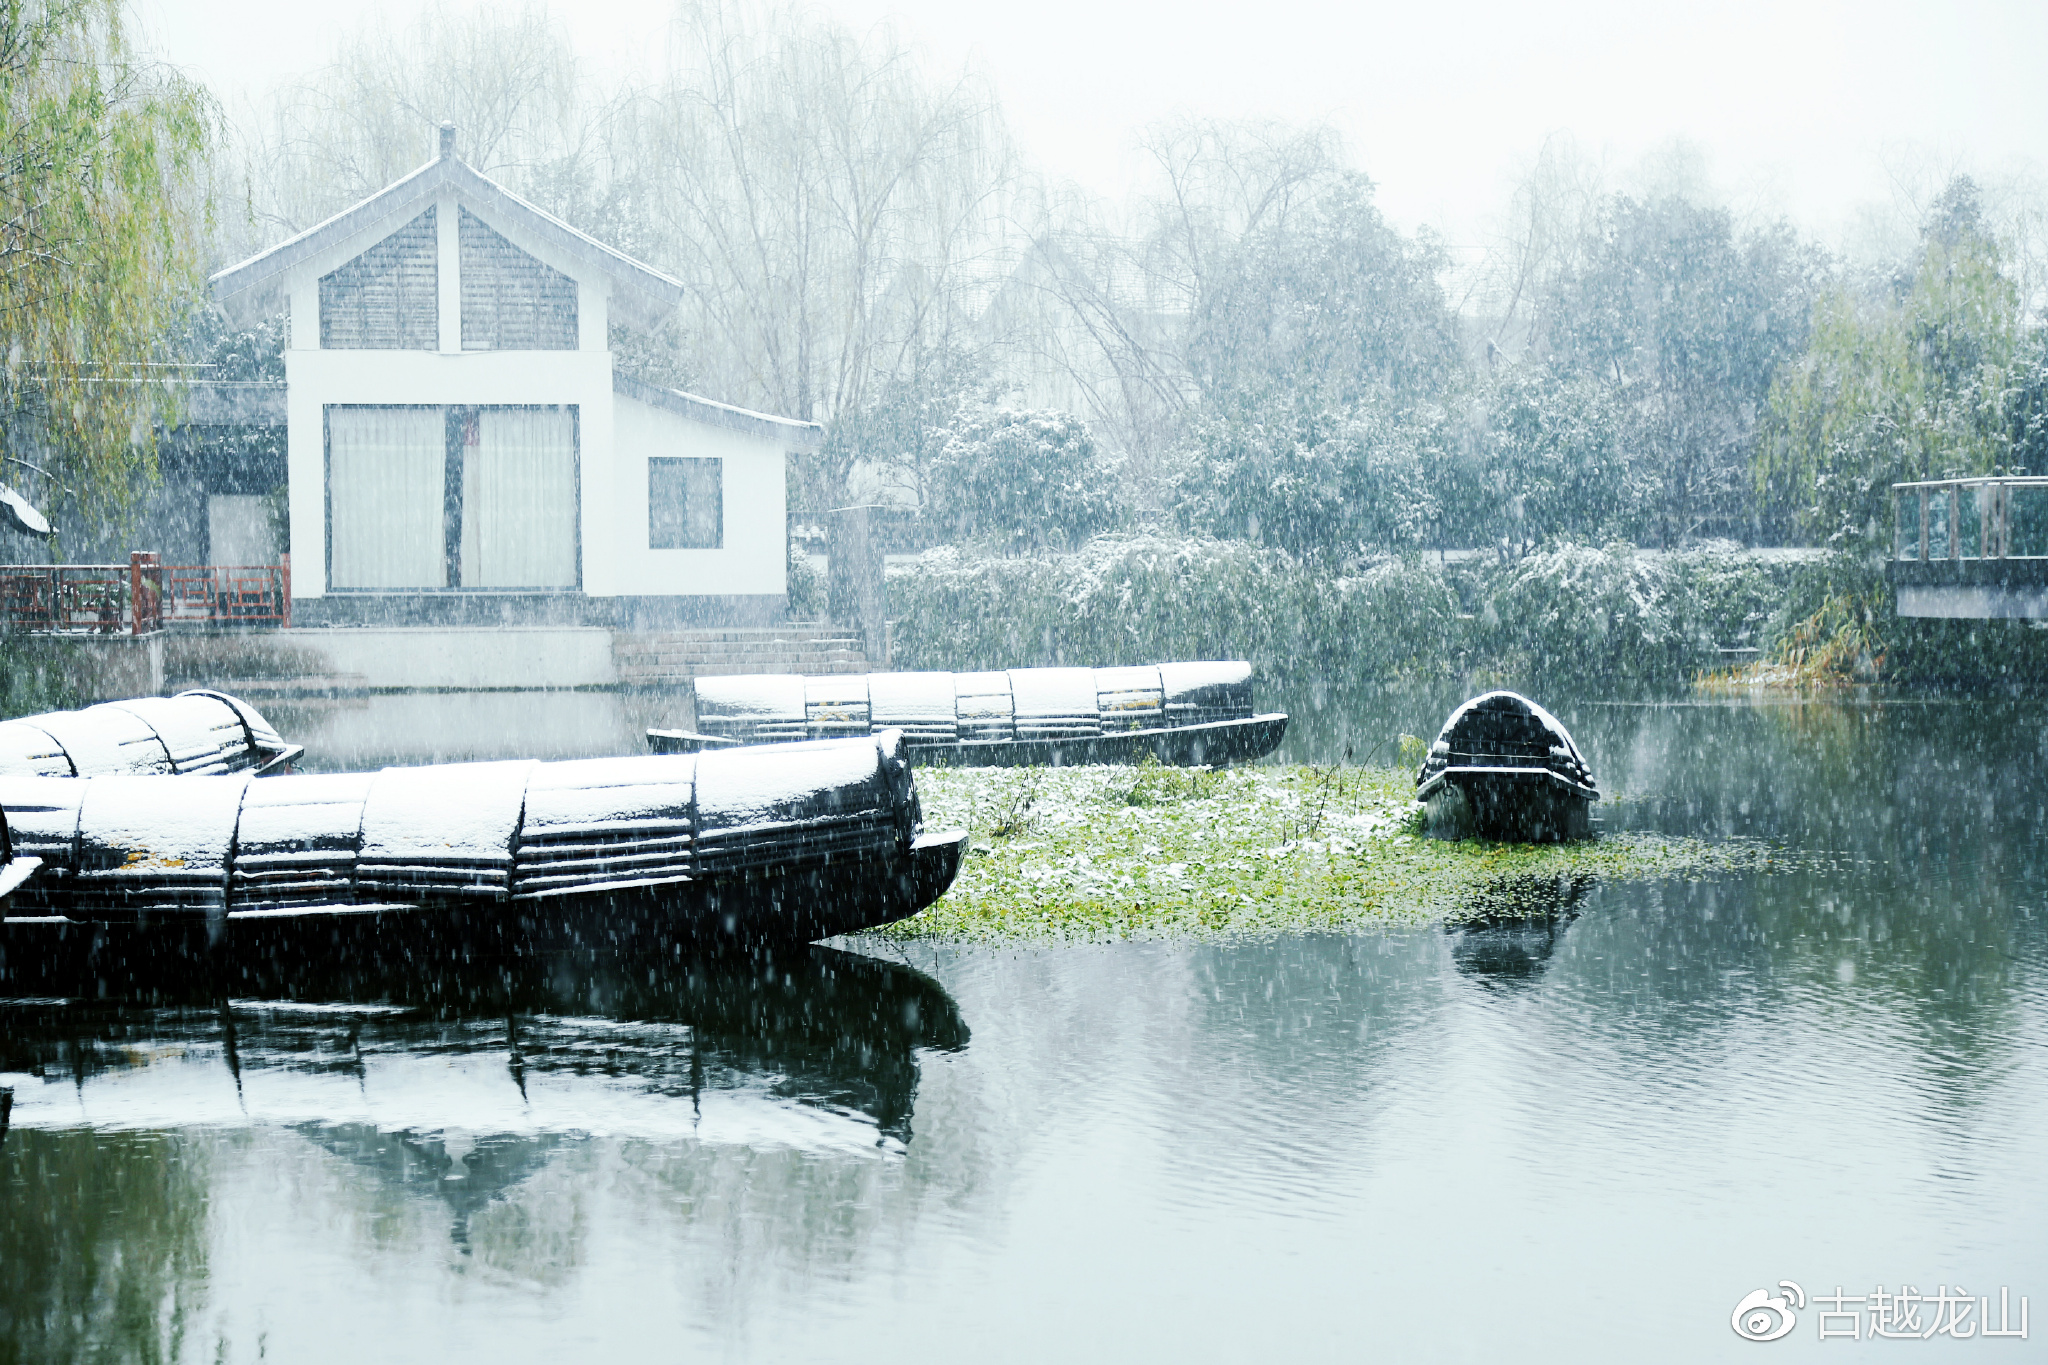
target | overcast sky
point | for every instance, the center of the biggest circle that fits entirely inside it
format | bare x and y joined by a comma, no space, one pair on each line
1807,107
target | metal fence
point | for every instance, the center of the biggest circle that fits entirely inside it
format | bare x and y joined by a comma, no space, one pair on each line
1988,518
143,596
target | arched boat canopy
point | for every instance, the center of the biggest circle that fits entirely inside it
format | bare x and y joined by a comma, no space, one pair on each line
117,848
1499,733
1018,704
198,732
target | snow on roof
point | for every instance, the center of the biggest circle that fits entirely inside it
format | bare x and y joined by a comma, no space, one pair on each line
655,292
797,435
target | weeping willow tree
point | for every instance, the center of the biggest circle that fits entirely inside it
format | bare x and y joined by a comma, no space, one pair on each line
1923,374
1914,378
100,232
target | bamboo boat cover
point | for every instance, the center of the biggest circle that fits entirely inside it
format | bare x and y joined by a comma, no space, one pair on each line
1018,704
199,732
124,847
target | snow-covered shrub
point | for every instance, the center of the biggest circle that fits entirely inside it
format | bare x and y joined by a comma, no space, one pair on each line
806,589
1022,480
1612,615
1734,593
1597,618
1143,598
1327,482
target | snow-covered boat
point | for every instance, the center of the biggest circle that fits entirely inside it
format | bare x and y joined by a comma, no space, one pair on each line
1504,768
1178,713
196,732
798,841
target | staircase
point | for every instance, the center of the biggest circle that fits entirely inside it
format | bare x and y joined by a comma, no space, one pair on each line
671,658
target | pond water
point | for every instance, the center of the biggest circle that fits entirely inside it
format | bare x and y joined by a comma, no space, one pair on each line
1580,1140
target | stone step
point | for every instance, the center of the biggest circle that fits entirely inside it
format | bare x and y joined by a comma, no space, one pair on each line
671,658
641,677
775,664
783,635
731,646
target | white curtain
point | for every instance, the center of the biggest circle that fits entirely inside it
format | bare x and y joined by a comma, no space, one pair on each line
519,500
386,475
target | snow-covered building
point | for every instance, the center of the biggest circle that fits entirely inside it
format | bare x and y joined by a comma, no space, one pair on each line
460,447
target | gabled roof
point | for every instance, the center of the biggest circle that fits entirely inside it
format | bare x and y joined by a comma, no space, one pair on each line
641,289
795,435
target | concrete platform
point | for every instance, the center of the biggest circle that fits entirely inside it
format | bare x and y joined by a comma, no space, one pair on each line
345,661
1972,589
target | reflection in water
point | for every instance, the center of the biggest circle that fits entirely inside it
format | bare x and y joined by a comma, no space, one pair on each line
1509,940
435,1082
1508,952
359,1021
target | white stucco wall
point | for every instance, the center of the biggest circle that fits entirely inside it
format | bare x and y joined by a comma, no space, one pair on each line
615,434
752,559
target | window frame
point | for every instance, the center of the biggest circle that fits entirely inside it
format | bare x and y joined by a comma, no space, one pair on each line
718,538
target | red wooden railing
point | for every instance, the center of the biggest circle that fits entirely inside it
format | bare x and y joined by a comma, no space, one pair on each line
143,596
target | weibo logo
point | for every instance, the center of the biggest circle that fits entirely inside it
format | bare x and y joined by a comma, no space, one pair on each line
1764,1317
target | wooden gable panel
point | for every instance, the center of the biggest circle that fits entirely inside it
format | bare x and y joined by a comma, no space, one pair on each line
510,301
386,299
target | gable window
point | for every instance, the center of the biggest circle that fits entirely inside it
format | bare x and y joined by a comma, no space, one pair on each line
433,497
388,298
510,301
685,503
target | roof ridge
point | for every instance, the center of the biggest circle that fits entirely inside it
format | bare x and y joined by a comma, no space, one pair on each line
653,285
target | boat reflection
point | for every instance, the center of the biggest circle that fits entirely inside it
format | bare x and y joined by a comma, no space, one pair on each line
1508,940
465,1072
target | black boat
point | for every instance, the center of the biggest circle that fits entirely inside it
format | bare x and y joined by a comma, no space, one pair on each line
1504,768
197,732
1178,713
794,842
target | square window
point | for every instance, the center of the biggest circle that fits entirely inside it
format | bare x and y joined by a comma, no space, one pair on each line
685,504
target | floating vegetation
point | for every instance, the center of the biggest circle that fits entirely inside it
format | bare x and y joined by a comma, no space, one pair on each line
1150,852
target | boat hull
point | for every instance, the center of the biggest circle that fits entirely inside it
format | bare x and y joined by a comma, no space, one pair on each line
789,842
1218,744
1524,806
768,906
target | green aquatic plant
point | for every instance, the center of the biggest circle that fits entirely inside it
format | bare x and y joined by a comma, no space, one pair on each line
1152,852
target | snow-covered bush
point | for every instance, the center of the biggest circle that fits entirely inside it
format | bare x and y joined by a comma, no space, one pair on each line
1330,482
1612,615
1022,480
1735,593
1598,617
806,589
1141,598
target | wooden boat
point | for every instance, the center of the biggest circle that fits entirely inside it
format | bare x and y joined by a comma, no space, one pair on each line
798,841
1504,768
198,732
1178,713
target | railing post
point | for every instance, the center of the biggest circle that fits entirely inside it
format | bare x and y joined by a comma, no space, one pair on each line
145,608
